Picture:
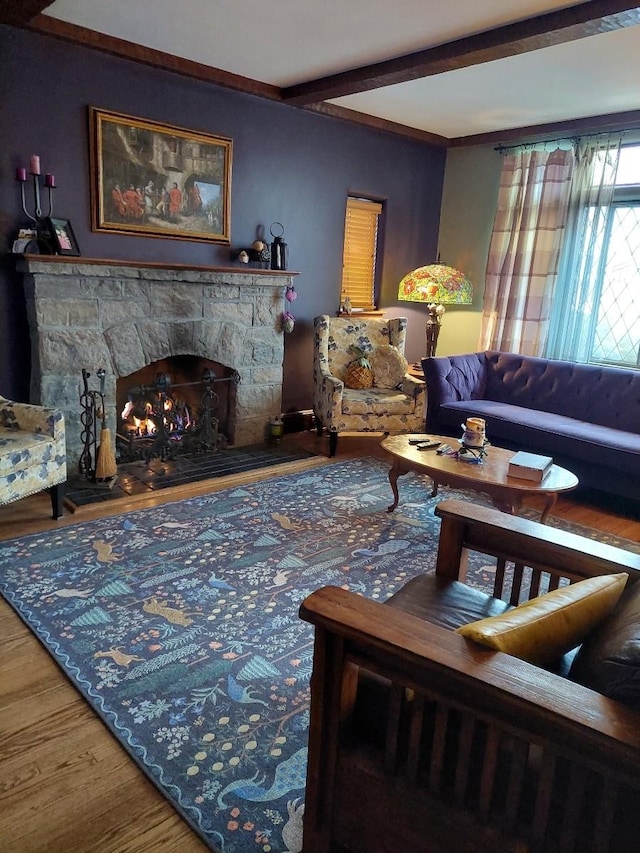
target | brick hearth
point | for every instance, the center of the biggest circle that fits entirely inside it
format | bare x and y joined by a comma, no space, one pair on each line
123,316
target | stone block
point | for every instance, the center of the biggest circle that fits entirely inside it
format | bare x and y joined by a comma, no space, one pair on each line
250,431
126,349
176,302
221,293
207,335
67,312
154,338
181,338
239,312
230,346
267,310
60,350
265,375
115,312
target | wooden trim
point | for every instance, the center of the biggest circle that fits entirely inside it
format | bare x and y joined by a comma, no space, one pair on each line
553,28
148,56
541,132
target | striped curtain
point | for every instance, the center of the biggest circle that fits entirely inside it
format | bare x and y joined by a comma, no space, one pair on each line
524,250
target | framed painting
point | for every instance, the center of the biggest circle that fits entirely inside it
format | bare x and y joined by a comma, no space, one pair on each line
157,180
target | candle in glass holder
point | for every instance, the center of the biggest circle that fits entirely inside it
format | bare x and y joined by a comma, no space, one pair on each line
35,164
21,175
50,181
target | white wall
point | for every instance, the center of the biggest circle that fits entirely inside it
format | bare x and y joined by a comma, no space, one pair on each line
471,182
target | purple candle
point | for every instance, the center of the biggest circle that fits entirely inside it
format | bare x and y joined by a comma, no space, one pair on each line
50,181
21,175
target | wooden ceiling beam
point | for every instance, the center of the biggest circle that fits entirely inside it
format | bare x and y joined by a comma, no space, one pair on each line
18,13
552,28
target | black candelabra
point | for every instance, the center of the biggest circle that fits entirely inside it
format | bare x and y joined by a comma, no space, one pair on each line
39,217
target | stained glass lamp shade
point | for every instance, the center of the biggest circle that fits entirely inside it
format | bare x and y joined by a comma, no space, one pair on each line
436,285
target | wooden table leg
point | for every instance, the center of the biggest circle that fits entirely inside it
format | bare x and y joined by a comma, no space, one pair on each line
503,505
549,503
395,471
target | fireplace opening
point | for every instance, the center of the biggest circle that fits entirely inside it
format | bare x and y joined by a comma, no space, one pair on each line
179,405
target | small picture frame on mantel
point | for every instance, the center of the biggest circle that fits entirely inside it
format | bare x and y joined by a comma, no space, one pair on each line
59,236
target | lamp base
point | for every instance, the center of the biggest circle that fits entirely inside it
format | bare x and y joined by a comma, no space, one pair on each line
433,330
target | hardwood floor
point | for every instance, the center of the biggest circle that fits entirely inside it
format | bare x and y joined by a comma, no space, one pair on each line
66,785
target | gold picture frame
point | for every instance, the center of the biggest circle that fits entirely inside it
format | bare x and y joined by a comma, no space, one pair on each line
157,180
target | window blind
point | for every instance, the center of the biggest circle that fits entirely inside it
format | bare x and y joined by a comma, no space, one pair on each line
359,256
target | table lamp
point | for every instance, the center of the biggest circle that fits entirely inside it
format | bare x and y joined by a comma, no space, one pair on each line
436,285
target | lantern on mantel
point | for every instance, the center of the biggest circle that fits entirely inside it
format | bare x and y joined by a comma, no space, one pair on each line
279,249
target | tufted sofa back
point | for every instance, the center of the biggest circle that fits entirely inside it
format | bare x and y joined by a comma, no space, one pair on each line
608,396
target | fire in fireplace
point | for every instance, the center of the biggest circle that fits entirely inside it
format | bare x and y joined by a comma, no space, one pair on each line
174,406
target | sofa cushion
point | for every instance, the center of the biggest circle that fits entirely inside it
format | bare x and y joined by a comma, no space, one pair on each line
546,627
555,434
376,401
444,602
609,659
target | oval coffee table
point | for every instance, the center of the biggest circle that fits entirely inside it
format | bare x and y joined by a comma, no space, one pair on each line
506,493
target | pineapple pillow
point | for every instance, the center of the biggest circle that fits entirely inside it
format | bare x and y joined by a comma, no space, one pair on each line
389,366
359,374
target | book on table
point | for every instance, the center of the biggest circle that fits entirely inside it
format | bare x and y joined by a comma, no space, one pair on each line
529,466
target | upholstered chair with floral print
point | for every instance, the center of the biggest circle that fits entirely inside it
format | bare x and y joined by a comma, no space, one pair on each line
32,453
395,403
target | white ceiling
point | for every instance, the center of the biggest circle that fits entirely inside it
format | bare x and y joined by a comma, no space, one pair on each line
293,41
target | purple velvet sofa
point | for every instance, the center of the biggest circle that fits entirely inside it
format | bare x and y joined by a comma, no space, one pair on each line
587,417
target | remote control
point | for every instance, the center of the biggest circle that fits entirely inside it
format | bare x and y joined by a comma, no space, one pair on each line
443,448
428,445
421,439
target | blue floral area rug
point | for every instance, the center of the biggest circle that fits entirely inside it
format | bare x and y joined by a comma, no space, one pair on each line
179,625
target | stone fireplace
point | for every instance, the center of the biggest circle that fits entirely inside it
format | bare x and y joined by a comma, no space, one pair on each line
124,316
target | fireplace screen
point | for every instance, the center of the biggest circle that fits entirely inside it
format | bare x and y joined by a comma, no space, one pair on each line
177,406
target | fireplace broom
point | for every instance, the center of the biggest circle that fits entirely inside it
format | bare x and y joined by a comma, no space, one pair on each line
106,466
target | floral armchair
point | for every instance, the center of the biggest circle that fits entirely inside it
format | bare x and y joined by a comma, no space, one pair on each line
32,453
394,409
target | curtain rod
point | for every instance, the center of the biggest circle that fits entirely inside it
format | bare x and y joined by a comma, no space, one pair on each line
574,138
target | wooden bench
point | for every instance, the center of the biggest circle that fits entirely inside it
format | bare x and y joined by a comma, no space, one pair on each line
480,751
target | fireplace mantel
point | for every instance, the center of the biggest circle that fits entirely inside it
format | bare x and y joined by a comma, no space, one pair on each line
25,260
123,315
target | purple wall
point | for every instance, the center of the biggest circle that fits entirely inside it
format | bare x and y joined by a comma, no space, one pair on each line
289,166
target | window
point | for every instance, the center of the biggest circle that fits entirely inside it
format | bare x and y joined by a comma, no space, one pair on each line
616,332
360,250
598,310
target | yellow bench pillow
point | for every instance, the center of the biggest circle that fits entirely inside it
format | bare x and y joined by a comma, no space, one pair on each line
545,628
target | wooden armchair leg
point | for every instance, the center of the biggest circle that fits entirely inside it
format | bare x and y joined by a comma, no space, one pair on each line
333,441
57,500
